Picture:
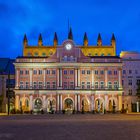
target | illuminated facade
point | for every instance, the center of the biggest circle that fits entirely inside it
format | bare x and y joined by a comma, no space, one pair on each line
69,76
130,80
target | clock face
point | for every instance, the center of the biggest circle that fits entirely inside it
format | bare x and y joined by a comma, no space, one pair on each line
68,46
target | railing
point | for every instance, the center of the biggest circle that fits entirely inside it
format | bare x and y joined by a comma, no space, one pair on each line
68,88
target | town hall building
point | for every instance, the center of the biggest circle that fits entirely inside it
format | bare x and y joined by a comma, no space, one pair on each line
68,76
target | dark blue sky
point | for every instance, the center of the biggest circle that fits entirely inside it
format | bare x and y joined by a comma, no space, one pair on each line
121,17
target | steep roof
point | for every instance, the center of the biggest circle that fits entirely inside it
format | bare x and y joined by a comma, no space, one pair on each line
6,65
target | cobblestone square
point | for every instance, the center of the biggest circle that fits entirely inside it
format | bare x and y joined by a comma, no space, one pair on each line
70,127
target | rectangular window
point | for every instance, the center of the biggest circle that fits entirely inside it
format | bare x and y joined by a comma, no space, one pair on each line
96,72
122,82
71,72
40,84
47,71
27,85
88,71
115,85
65,85
109,72
40,72
130,82
124,71
88,85
54,85
53,71
96,85
21,85
65,71
130,71
109,85
102,84
83,71
115,72
48,85
101,72
71,85
35,85
21,72
83,85
35,72
26,72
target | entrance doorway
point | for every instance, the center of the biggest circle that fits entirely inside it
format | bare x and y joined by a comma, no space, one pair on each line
85,105
99,106
68,104
38,104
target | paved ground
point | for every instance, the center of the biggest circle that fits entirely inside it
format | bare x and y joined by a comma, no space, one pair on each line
70,127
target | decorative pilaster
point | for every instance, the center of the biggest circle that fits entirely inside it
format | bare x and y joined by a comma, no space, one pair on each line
79,78
137,106
44,101
17,102
120,78
120,102
106,78
92,102
58,77
75,73
17,78
61,77
78,102
75,102
31,74
61,102
58,102
106,102
44,73
31,103
92,75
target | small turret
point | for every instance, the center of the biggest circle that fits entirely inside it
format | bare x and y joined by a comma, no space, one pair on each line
40,42
55,40
25,40
113,42
70,36
85,39
99,40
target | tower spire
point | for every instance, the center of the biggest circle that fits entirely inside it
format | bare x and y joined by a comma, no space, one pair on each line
85,39
55,40
25,40
113,37
99,40
70,35
40,42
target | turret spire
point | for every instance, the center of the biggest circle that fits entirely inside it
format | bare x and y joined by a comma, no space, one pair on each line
70,35
25,40
40,42
99,40
85,39
55,39
113,37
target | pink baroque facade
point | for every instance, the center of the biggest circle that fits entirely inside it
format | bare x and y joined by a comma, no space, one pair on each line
68,80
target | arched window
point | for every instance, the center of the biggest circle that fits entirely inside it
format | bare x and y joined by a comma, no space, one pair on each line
109,85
